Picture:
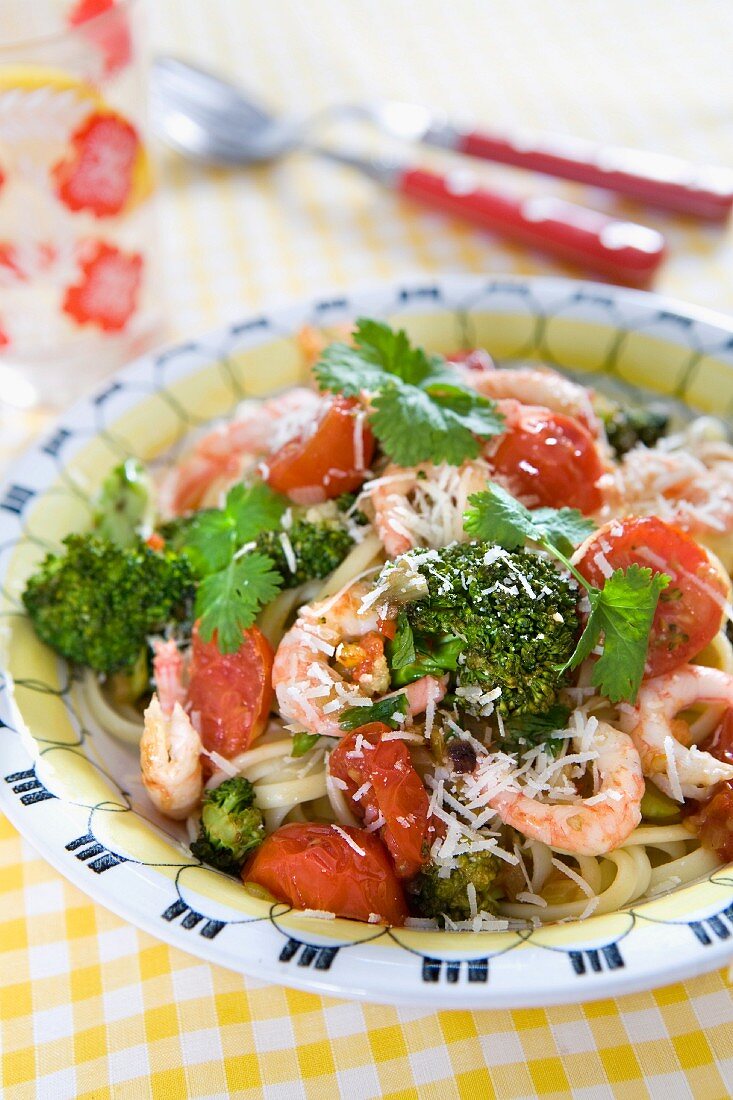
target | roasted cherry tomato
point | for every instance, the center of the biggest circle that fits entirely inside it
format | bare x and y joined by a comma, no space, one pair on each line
690,611
321,464
231,692
549,459
713,821
312,866
395,791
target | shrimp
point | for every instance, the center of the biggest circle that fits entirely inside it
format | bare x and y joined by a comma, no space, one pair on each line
594,826
170,747
312,693
532,386
221,456
655,731
423,505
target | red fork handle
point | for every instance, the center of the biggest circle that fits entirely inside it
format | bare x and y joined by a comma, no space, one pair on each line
704,191
626,252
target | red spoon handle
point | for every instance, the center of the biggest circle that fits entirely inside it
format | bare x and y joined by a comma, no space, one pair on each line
626,252
668,182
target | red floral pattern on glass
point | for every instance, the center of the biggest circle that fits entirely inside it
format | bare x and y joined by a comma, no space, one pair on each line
107,291
110,35
98,174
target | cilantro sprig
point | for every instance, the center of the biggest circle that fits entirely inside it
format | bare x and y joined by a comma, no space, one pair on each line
621,613
420,411
234,585
214,535
227,602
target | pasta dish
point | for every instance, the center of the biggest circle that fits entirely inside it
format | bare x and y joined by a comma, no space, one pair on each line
428,641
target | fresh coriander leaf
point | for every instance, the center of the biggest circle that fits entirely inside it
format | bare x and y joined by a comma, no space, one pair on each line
496,516
412,426
421,410
346,370
227,602
377,350
254,508
303,742
216,534
627,604
563,528
403,643
353,718
210,541
622,613
394,353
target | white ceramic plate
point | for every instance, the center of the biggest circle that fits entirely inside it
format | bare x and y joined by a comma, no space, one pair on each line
74,792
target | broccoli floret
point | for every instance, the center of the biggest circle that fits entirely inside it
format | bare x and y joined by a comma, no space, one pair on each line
231,825
318,548
97,603
436,897
124,503
628,426
513,640
345,504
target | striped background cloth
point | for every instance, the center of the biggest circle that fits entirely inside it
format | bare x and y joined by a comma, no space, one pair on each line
91,1007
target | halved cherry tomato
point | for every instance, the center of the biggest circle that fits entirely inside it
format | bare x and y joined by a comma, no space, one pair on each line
328,461
231,692
690,611
549,459
311,866
396,792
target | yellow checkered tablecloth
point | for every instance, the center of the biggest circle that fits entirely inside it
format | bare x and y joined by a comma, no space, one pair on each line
91,1007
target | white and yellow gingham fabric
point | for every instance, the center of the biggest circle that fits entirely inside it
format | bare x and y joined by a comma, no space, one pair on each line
91,1007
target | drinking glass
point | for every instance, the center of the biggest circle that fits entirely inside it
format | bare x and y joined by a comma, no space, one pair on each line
77,239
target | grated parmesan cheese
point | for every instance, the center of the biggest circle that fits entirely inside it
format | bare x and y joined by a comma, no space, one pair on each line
349,840
288,552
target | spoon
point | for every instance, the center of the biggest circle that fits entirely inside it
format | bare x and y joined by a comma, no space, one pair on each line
211,121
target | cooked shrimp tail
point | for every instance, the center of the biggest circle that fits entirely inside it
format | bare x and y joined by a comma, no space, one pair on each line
592,826
170,747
